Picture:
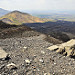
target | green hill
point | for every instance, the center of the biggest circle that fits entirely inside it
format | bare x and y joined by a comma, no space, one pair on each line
17,18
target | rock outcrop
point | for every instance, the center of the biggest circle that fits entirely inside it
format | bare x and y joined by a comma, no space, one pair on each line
67,48
3,54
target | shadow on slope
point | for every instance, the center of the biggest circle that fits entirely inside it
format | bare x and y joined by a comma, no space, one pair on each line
62,30
9,31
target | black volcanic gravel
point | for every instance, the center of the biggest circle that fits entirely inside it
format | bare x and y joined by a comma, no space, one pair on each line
42,61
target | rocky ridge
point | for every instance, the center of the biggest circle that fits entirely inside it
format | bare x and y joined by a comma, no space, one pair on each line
67,48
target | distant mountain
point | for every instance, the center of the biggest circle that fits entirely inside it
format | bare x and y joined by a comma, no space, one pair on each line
17,17
58,16
3,12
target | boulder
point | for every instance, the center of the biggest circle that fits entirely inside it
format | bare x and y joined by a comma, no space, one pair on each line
3,54
54,47
67,48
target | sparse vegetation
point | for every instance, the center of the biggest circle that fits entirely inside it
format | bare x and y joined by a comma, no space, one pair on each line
19,18
9,31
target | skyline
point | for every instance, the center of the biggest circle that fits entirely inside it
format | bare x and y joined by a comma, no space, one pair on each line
38,5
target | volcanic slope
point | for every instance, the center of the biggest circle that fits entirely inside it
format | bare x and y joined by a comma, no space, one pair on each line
29,55
17,17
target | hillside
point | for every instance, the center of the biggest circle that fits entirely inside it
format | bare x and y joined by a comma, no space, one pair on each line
30,56
3,12
24,51
62,30
10,31
17,17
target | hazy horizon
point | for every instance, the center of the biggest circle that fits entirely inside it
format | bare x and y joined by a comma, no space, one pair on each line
38,5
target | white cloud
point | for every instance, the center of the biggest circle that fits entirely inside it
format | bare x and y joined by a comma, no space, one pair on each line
38,4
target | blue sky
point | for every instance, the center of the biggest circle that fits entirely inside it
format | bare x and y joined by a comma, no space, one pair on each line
38,4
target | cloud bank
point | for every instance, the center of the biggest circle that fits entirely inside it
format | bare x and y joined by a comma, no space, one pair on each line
38,4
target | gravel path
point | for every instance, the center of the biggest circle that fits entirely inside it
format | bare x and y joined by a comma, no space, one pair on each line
40,60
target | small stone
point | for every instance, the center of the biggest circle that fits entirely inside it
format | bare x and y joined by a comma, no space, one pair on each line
64,68
54,63
41,60
49,74
35,56
27,61
3,54
42,52
46,73
38,69
14,72
35,60
53,73
11,66
25,47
